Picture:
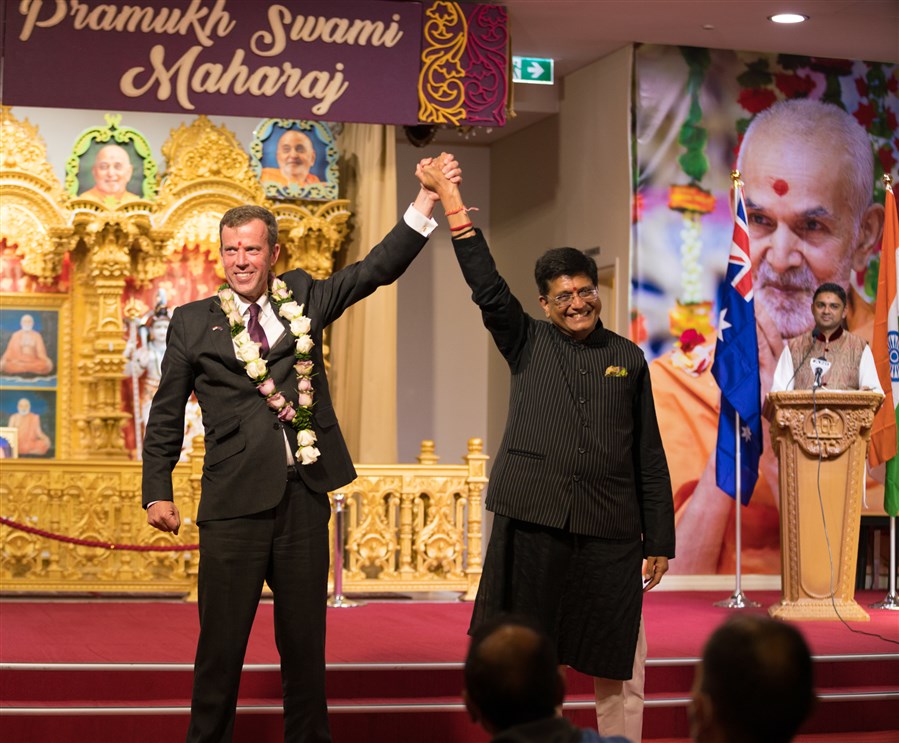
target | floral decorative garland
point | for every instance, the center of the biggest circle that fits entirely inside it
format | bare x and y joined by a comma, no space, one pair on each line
257,369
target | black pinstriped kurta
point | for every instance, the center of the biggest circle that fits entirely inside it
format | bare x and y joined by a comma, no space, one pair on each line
582,451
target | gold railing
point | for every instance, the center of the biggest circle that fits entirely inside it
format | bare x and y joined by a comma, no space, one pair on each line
409,528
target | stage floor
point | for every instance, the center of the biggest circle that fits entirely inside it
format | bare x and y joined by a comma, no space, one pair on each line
105,671
399,631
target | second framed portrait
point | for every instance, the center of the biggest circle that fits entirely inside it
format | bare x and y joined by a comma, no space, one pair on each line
295,159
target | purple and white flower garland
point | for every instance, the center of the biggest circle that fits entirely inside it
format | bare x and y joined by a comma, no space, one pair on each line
248,352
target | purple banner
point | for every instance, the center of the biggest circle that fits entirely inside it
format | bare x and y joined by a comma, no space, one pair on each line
341,60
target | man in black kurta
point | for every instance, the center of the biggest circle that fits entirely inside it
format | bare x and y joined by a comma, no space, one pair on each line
580,486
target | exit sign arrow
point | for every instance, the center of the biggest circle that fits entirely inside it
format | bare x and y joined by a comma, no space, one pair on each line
534,70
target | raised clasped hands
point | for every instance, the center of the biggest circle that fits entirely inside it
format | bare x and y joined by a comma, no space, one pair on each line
436,174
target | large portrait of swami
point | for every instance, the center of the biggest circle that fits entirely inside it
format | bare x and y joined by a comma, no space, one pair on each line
295,159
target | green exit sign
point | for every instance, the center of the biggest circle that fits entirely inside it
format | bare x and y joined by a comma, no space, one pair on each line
532,70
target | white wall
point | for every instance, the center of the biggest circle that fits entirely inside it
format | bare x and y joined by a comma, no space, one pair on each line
442,345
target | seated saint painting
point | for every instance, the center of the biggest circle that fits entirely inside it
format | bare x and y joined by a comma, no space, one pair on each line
26,352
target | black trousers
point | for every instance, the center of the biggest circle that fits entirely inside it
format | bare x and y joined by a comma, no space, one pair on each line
288,547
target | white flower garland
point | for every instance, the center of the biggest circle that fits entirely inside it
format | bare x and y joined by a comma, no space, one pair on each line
257,369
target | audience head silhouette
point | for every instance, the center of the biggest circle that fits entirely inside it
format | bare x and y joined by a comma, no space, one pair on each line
754,684
512,675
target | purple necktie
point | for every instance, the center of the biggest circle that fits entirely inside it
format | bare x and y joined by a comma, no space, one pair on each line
254,328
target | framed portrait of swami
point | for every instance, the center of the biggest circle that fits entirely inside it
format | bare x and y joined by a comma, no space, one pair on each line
295,159
29,347
31,415
112,165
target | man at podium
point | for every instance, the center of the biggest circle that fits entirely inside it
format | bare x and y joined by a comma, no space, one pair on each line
830,356
821,434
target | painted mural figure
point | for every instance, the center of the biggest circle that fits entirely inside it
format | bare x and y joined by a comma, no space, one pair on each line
12,276
32,440
145,361
26,352
808,170
112,170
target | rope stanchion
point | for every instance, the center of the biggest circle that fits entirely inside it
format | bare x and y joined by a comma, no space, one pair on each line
93,543
338,600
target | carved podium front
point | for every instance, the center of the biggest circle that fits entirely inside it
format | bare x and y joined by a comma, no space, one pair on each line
821,441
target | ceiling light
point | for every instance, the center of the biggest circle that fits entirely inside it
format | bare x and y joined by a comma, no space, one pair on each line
787,18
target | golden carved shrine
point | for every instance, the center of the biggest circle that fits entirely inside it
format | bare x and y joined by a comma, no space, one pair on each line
72,520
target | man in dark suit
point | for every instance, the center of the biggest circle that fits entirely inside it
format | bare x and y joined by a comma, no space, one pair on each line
580,486
271,456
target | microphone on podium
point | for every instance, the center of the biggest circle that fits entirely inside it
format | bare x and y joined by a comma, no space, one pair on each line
811,345
819,366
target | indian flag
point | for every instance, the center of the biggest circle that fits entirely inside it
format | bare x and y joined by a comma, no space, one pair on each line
885,347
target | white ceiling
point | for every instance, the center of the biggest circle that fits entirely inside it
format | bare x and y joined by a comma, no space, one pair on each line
577,32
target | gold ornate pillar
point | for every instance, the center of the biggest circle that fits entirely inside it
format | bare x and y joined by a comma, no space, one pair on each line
101,361
477,479
311,235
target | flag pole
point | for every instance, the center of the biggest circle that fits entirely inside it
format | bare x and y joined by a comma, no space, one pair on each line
737,599
890,602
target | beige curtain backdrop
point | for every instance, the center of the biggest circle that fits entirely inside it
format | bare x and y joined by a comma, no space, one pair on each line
363,341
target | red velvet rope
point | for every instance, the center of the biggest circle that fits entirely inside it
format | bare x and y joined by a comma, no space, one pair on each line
90,543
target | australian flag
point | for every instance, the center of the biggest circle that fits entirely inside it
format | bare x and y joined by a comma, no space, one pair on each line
736,368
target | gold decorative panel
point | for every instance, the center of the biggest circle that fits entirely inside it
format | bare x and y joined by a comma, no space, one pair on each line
78,527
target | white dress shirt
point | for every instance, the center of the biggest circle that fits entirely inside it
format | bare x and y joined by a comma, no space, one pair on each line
418,221
867,372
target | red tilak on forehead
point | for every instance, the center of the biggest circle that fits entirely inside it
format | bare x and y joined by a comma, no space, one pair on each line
780,187
240,244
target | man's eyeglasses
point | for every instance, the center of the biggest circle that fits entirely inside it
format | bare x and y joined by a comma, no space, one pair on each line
588,294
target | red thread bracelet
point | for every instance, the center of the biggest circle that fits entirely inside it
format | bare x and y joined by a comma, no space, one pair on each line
465,226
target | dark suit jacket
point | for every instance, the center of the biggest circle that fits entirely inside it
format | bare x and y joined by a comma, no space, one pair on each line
244,470
582,449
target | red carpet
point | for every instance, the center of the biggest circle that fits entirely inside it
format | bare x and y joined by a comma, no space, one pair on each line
384,663
101,631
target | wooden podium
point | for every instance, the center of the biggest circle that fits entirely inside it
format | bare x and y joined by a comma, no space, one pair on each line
844,420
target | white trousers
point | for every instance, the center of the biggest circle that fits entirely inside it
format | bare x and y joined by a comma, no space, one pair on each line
619,704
